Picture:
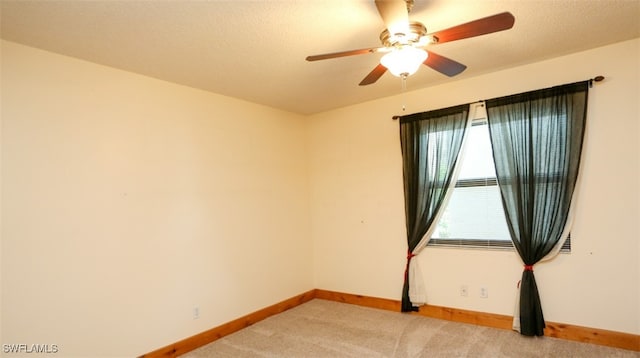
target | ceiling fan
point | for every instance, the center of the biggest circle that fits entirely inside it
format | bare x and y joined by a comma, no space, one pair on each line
404,41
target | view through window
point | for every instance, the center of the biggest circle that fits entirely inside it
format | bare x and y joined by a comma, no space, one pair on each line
474,216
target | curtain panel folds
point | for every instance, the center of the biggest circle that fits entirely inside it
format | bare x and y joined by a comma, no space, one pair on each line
537,143
430,144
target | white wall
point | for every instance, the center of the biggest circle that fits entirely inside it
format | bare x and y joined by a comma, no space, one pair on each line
1,216
358,214
128,201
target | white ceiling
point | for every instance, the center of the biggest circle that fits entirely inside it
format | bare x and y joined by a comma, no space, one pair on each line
255,50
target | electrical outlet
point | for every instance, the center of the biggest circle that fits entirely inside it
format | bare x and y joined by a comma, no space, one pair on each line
464,291
196,312
484,292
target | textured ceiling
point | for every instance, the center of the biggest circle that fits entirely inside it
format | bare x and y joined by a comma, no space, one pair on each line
255,50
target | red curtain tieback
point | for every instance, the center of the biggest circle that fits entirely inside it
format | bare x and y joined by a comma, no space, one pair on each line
406,270
528,268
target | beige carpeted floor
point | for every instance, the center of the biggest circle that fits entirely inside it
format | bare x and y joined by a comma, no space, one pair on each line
321,328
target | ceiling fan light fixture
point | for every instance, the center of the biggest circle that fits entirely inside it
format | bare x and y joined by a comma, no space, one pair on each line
404,60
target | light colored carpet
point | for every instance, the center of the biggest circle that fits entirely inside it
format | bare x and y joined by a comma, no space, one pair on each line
321,328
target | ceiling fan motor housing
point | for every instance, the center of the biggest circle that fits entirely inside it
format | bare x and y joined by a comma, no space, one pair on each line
416,31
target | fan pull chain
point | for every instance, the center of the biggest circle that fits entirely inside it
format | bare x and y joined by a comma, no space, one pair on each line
404,90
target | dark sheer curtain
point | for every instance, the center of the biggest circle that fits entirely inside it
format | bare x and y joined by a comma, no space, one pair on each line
430,143
537,141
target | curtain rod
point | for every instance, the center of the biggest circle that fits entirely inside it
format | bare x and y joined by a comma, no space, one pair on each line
591,80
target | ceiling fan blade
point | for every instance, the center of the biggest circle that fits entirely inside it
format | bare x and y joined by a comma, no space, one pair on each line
444,65
344,53
374,75
395,16
487,25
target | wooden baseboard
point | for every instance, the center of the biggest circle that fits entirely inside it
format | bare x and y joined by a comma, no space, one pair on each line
593,335
449,314
557,330
206,337
553,329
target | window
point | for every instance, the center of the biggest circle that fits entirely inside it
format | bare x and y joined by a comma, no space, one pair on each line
474,217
